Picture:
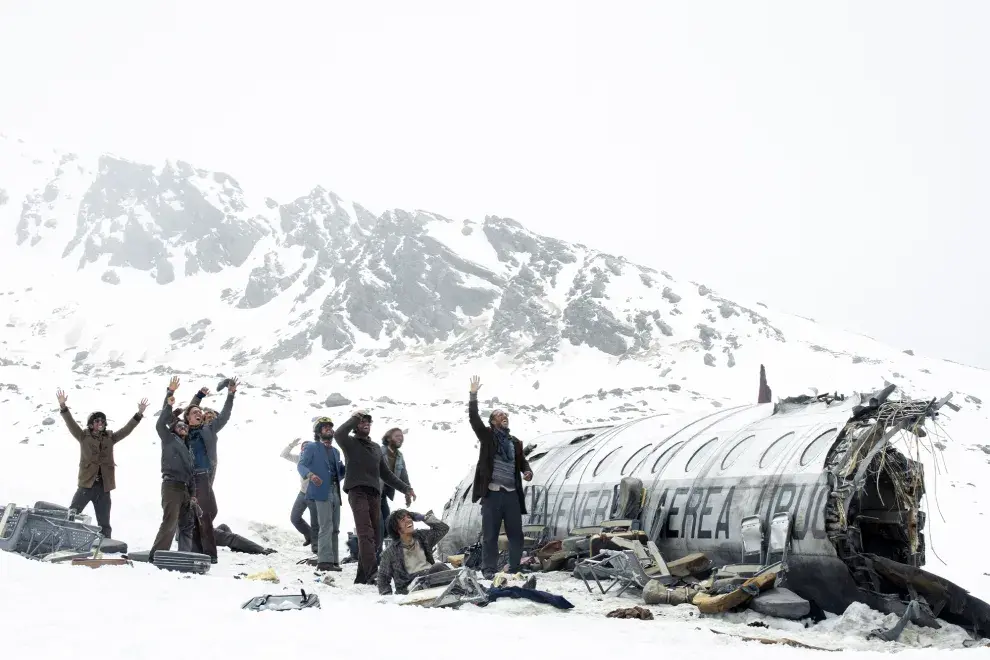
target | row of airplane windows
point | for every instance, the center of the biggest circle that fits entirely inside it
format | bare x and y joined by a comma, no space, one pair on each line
641,455
810,453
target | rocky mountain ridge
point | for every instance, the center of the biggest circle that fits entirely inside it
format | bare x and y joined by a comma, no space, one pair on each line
325,279
358,281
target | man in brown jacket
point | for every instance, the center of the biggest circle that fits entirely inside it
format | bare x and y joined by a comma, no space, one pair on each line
96,466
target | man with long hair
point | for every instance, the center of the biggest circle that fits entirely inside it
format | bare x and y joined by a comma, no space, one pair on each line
391,442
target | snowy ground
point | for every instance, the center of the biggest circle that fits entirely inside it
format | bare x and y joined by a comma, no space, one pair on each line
47,603
138,611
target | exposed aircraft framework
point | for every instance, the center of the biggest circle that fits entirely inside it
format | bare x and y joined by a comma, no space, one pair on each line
853,500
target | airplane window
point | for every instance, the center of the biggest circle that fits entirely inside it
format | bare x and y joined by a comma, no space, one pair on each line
578,462
665,457
817,446
641,450
736,451
773,451
536,457
700,455
602,464
581,438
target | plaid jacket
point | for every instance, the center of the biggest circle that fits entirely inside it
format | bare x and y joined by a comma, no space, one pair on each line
393,562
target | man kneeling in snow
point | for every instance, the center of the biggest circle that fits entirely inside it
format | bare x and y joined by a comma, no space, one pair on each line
410,555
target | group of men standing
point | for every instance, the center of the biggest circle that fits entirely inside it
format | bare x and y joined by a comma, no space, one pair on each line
188,464
189,468
365,472
370,474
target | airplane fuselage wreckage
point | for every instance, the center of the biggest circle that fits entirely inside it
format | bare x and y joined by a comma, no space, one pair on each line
813,482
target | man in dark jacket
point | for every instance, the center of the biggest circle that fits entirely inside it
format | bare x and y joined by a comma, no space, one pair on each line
320,464
177,473
366,468
391,442
209,423
497,483
202,441
96,476
411,553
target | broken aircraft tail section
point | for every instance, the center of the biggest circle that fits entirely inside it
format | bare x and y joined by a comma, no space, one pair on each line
765,395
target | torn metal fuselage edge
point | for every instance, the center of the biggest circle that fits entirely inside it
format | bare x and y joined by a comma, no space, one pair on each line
875,521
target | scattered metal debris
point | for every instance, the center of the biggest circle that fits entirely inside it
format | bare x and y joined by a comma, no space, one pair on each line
451,588
283,602
771,640
35,532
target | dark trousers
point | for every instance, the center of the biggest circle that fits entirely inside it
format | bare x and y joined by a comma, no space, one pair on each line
498,506
366,506
216,507
310,532
196,534
101,504
236,542
381,528
175,503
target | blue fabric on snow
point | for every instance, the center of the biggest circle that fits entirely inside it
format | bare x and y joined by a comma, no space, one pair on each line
559,602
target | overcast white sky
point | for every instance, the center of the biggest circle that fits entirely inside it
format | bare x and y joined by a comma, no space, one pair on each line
822,157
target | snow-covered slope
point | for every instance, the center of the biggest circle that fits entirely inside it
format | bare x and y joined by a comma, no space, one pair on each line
116,275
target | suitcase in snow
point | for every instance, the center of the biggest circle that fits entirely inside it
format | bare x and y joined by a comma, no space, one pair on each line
282,602
183,562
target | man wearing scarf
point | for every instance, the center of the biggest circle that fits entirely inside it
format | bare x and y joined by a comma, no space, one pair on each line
498,483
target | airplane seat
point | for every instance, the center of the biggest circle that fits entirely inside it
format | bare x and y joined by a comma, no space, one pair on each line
533,537
780,539
628,503
752,559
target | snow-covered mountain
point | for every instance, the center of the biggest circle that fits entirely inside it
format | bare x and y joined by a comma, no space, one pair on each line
264,286
116,274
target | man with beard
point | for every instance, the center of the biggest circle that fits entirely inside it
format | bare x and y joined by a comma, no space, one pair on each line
320,464
96,476
366,469
177,473
391,442
202,441
212,422
497,483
